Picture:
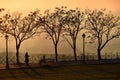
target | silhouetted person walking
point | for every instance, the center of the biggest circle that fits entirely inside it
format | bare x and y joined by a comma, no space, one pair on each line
26,58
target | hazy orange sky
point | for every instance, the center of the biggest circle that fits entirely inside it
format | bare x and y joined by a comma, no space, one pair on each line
28,5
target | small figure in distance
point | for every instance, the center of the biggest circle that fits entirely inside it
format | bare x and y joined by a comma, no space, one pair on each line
26,58
42,61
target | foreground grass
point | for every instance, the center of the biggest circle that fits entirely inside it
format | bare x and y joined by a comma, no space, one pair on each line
73,72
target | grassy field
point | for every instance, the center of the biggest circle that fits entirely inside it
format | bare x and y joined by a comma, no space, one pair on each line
73,72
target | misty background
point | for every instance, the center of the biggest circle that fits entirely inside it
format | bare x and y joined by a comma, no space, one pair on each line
41,45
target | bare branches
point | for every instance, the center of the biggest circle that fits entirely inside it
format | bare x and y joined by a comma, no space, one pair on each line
73,22
103,26
19,27
53,23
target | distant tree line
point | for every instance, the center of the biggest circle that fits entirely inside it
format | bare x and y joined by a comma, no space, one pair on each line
99,25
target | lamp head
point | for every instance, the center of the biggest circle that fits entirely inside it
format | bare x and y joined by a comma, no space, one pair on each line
83,35
6,36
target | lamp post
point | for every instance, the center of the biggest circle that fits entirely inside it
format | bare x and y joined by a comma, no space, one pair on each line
7,63
83,35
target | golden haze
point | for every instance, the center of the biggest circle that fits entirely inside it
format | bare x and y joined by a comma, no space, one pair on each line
26,6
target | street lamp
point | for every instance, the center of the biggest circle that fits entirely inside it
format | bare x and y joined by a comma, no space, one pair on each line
83,35
6,38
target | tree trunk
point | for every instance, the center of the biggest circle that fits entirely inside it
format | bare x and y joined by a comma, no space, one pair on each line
99,54
17,54
56,53
74,49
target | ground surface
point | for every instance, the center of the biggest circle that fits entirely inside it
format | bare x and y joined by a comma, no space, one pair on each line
66,72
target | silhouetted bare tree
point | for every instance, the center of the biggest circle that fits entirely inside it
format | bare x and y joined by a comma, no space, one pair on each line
19,27
102,26
1,9
73,24
53,23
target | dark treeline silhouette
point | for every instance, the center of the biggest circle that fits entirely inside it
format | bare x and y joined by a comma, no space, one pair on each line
99,25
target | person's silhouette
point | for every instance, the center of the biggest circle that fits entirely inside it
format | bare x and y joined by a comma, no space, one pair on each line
26,58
